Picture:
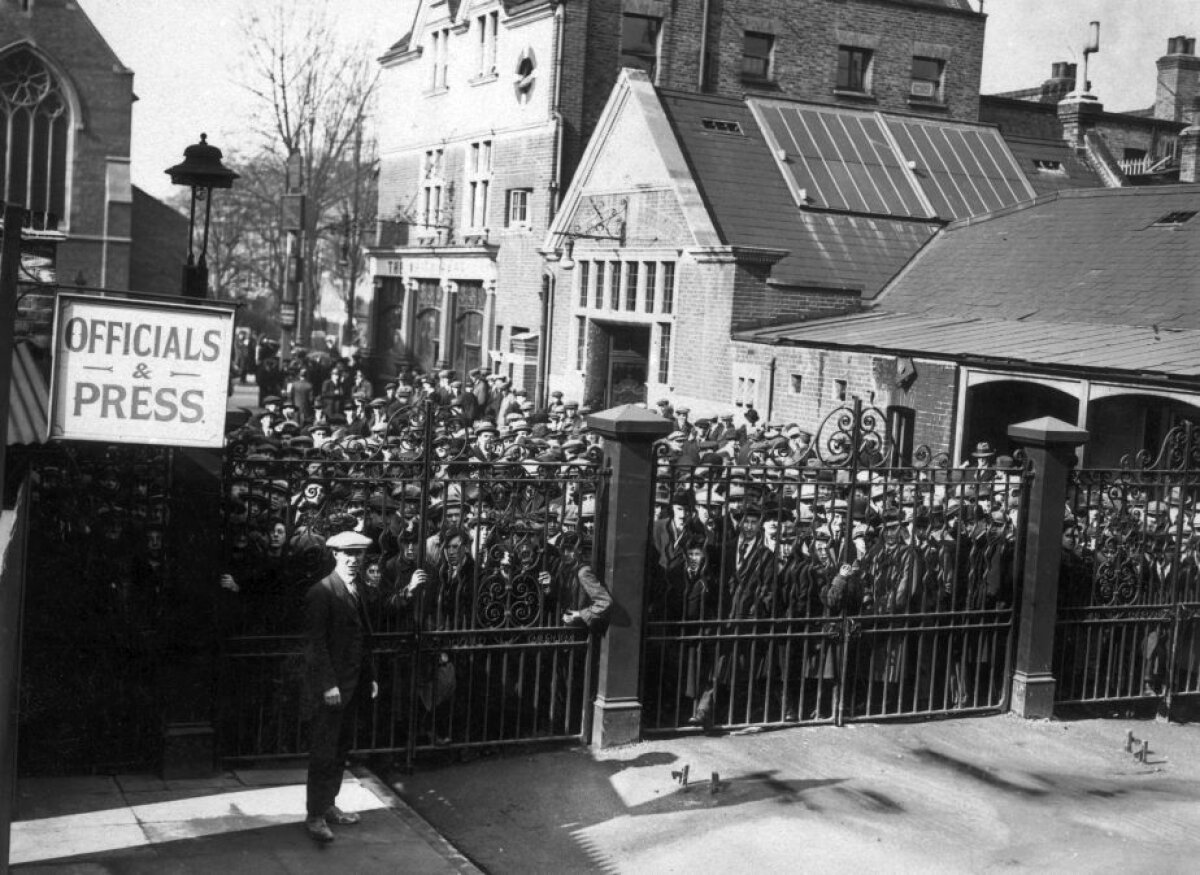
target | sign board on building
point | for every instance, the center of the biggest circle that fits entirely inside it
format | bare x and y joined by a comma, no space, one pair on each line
140,372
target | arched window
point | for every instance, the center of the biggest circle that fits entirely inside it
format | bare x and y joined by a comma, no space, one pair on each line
35,120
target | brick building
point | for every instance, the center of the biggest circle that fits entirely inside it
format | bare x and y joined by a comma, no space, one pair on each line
488,106
1139,146
1080,305
66,100
741,213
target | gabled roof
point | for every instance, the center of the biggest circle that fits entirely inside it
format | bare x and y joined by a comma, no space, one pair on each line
1094,255
839,237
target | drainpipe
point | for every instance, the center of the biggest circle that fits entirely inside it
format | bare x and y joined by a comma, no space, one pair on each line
556,111
703,47
543,365
771,392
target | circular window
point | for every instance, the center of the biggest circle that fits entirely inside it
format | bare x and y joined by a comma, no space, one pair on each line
525,75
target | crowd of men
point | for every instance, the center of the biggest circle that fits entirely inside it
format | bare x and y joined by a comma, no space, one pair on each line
775,550
752,525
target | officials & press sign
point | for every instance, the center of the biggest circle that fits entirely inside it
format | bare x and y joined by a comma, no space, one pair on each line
141,372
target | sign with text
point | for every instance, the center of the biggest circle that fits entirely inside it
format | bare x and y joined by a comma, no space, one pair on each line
140,372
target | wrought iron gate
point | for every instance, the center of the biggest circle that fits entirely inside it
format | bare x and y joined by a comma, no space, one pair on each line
1128,622
97,582
832,585
480,656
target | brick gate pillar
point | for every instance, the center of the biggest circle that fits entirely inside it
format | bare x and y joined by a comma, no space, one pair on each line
1050,445
629,433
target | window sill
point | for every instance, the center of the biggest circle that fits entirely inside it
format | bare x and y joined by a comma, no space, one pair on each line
932,105
759,81
863,96
436,92
484,79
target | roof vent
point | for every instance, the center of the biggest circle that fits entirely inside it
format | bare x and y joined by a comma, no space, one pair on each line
722,126
1048,165
1176,218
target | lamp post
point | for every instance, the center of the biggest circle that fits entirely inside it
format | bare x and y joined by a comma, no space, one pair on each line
201,171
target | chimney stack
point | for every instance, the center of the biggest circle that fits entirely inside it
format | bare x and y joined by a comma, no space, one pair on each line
1178,80
1060,83
1189,145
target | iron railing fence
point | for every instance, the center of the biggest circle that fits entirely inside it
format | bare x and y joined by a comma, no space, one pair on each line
1128,624
480,655
98,581
831,589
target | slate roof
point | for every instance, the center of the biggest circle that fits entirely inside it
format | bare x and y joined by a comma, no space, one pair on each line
1071,346
1094,256
751,205
1075,173
1086,280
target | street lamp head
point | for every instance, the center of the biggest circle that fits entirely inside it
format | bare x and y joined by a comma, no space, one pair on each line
202,167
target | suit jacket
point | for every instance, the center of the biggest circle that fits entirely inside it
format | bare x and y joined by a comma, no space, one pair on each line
577,588
337,635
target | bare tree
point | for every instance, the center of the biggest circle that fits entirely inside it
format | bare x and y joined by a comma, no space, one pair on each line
316,95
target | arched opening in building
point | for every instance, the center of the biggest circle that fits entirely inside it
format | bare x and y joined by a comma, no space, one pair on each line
1122,425
993,407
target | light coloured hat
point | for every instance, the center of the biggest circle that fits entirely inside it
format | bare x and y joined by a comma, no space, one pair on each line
348,541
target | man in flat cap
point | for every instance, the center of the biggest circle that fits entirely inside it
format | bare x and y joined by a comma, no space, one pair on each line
339,662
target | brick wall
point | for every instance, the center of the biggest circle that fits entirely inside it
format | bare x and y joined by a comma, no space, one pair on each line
870,377
104,90
807,34
159,245
756,303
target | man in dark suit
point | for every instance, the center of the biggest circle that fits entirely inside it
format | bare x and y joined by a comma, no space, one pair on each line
339,662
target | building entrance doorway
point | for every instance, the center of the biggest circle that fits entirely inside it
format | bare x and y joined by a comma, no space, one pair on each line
628,364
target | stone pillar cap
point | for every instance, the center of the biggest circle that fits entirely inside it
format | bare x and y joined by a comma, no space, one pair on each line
1048,430
630,420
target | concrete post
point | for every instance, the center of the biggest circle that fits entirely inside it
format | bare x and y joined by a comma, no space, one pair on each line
1050,445
629,434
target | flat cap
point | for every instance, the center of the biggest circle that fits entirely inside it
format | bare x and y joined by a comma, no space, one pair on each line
348,541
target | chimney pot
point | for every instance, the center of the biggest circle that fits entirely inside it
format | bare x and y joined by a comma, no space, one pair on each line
1181,45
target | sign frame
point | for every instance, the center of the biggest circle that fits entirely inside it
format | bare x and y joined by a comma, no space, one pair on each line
161,414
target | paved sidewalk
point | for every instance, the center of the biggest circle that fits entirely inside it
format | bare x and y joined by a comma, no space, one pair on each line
950,796
238,822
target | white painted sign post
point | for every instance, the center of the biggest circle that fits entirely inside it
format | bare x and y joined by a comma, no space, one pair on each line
139,371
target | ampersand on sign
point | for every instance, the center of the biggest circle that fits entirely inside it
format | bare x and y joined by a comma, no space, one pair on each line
141,372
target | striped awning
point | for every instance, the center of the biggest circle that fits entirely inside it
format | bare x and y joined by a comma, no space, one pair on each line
29,399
